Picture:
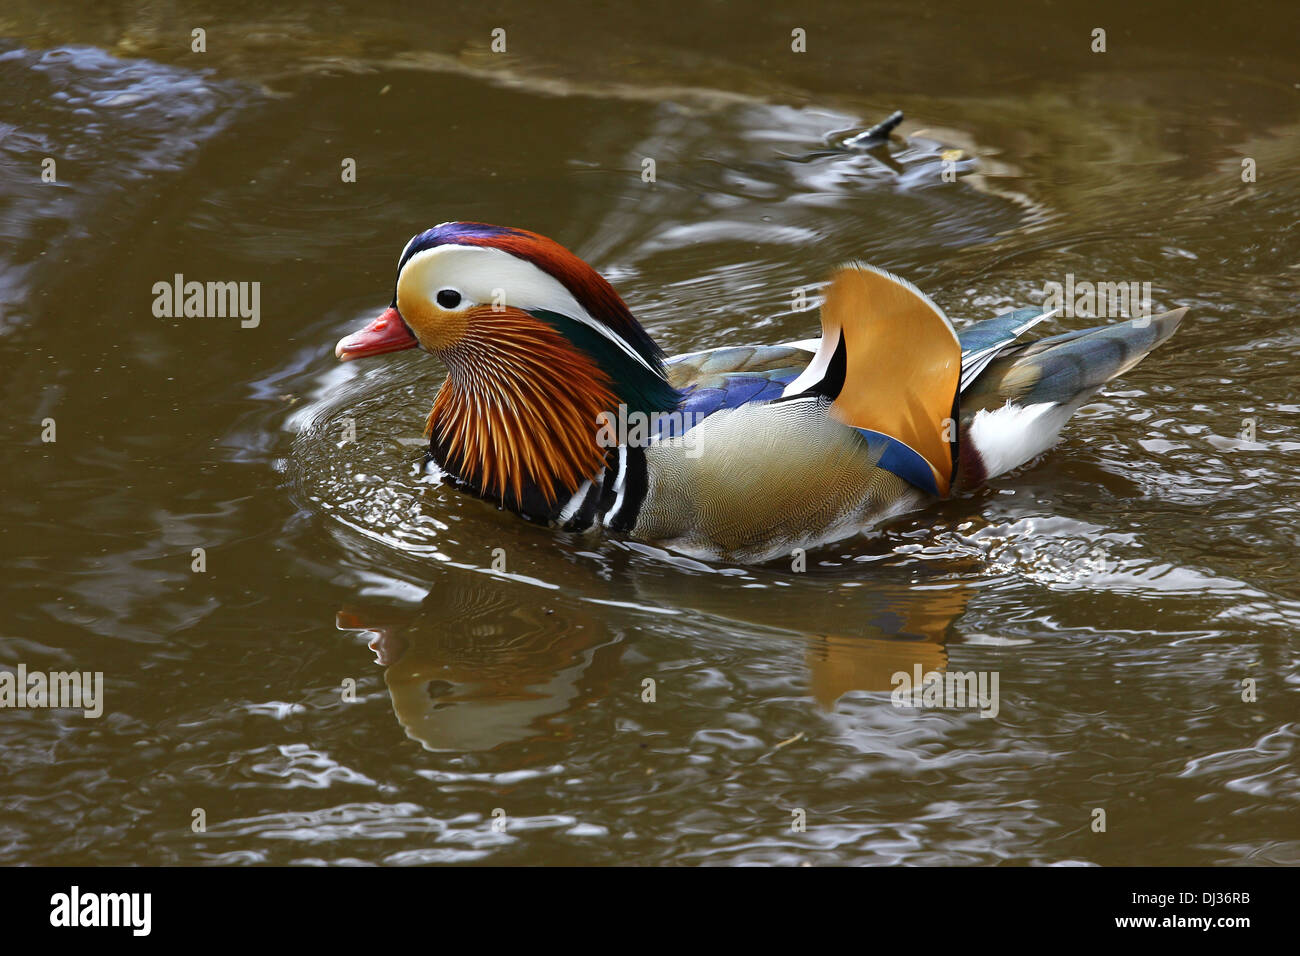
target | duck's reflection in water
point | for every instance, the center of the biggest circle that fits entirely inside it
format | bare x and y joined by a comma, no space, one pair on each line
473,668
480,663
899,624
910,629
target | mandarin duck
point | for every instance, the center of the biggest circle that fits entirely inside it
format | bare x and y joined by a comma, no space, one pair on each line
744,453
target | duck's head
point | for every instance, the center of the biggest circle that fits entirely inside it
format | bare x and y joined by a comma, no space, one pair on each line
537,345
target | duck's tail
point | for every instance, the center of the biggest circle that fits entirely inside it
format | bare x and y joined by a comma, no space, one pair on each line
1014,409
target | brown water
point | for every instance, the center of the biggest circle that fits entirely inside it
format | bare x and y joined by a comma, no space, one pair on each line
1122,587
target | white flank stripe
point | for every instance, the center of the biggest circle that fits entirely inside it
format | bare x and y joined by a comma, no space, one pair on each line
816,369
618,485
575,502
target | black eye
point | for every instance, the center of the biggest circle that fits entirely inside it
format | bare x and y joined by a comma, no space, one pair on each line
448,298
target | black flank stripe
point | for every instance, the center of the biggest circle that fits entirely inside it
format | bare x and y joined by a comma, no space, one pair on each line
585,516
832,382
607,494
635,486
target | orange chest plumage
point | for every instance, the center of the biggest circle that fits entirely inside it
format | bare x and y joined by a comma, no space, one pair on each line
519,409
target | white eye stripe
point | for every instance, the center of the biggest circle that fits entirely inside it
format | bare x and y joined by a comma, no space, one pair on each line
483,274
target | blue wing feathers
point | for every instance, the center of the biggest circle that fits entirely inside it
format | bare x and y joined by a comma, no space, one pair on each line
999,330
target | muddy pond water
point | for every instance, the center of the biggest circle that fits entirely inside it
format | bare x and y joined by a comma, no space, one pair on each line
351,678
